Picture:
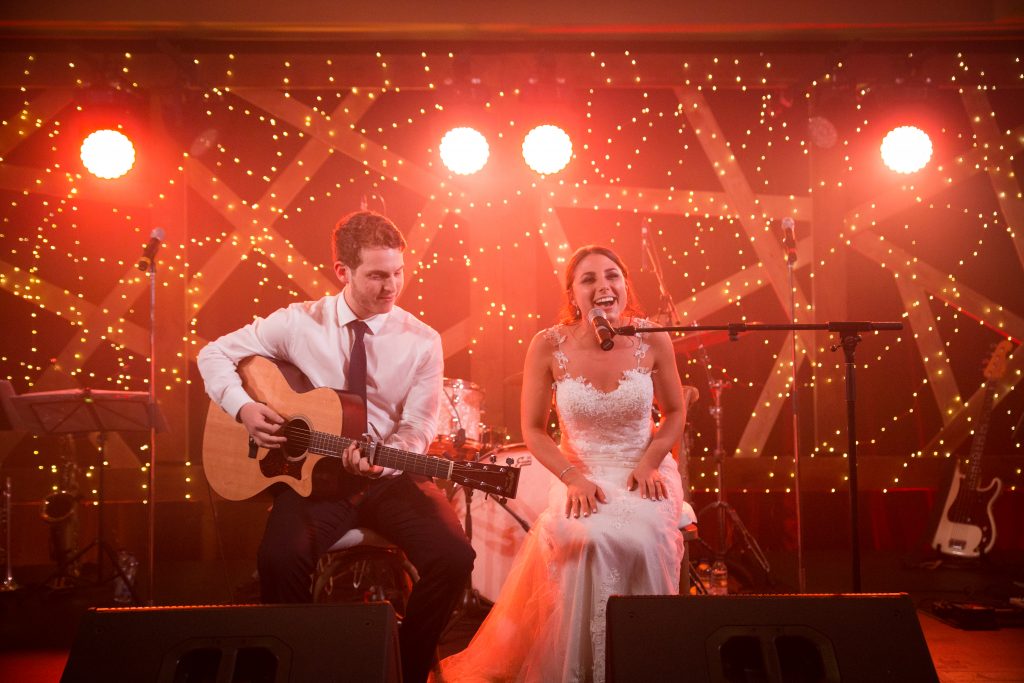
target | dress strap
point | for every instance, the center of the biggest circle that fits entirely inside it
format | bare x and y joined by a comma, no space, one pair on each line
556,336
642,346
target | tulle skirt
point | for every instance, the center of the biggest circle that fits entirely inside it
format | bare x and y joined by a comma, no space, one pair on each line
548,623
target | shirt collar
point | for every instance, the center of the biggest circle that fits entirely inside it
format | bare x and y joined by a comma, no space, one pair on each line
346,315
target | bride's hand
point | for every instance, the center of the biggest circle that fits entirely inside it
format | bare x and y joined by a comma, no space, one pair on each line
582,495
648,480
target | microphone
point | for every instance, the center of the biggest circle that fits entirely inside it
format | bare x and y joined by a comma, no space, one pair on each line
789,240
155,238
602,328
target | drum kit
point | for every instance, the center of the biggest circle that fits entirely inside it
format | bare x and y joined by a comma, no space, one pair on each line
459,426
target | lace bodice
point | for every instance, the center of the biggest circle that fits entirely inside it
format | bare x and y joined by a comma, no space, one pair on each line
603,427
548,623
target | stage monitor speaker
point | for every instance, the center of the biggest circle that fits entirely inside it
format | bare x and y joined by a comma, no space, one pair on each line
767,638
236,644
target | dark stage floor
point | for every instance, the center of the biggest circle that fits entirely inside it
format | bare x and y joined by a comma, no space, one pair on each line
967,612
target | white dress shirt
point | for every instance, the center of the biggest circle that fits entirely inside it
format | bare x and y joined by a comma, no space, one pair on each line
404,364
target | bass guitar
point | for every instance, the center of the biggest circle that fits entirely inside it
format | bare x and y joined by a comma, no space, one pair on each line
966,528
319,426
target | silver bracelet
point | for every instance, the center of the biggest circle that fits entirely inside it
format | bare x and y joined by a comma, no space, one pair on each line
562,473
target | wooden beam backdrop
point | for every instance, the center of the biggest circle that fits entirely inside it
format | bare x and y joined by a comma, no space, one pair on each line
248,153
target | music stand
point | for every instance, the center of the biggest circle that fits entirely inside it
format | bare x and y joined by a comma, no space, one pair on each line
83,411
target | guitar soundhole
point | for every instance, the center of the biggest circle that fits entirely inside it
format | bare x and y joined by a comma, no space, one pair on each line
297,432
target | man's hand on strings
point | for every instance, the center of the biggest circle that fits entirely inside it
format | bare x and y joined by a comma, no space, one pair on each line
263,424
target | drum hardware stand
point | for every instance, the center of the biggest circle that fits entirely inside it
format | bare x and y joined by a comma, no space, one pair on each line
460,435
84,411
719,506
471,599
849,337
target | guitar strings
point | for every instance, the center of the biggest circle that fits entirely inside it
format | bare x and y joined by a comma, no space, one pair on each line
322,443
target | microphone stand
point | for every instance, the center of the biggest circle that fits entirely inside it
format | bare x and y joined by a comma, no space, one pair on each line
849,337
801,572
716,386
151,526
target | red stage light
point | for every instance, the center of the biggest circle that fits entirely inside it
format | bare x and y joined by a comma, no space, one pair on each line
906,149
547,149
108,153
464,150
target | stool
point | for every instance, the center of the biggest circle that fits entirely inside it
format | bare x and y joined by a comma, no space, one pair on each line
363,566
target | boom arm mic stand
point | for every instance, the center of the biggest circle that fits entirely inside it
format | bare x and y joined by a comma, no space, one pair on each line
716,386
849,337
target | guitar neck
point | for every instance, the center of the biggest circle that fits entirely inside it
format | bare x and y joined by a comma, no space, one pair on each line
972,477
385,456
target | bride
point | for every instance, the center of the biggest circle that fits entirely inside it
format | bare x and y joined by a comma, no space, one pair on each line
611,525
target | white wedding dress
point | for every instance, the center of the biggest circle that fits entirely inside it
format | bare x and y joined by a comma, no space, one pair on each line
548,623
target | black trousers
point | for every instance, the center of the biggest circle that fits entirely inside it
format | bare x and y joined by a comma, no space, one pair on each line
411,512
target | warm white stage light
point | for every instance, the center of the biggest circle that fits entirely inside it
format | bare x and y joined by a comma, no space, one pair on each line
108,154
547,149
464,150
906,149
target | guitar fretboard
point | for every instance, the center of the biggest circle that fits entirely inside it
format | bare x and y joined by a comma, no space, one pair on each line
332,445
972,478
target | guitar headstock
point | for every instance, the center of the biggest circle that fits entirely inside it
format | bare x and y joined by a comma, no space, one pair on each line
995,368
498,480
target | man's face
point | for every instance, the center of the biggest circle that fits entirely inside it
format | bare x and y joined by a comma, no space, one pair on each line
374,286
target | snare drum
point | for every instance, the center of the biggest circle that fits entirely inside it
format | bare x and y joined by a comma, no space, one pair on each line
497,536
461,406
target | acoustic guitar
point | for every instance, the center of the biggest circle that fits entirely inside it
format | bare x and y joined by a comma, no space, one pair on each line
966,528
319,425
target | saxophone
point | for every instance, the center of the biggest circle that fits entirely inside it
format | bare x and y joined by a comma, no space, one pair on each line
60,511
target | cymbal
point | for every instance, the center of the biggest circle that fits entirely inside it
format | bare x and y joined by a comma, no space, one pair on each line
689,343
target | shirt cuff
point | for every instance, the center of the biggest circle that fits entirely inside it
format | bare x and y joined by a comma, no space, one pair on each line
233,401
388,473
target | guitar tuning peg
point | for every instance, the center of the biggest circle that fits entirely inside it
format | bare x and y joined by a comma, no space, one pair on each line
509,461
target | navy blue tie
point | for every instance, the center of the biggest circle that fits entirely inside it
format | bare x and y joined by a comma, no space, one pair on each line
357,362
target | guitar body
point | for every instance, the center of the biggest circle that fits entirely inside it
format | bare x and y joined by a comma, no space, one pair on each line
319,425
967,528
236,476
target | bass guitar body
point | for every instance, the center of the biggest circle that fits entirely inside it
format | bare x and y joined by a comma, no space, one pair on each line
967,528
